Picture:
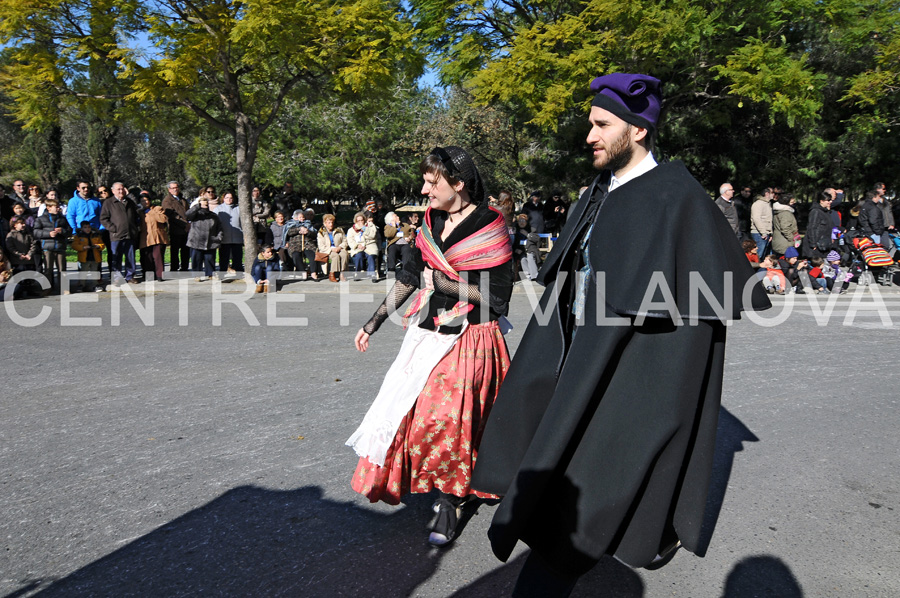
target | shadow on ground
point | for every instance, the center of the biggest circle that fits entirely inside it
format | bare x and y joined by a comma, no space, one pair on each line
257,542
620,581
762,576
731,434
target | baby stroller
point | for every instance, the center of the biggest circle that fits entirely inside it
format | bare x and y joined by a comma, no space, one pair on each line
892,241
875,259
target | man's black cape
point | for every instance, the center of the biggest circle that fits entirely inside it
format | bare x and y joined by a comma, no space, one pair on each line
602,441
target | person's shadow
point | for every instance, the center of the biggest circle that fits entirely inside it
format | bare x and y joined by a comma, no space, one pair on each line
762,576
731,434
256,542
619,580
615,579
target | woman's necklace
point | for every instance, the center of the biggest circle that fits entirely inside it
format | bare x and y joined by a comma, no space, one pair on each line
451,213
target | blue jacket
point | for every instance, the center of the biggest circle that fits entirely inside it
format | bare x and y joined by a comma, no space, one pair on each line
80,210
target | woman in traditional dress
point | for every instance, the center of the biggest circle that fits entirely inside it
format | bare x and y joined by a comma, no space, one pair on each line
423,430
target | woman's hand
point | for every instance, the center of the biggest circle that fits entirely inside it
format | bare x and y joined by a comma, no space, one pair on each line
362,341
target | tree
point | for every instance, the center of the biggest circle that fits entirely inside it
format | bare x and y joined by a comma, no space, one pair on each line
229,64
748,86
45,146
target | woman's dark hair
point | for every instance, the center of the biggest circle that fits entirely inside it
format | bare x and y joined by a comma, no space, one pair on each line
785,199
433,164
454,164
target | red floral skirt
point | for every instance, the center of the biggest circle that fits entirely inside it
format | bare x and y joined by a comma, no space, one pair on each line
437,442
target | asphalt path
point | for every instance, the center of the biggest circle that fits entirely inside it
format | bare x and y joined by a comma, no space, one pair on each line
161,449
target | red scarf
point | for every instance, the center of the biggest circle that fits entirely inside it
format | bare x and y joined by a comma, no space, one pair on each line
486,248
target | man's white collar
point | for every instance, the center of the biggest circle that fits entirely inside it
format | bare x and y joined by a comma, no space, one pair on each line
642,167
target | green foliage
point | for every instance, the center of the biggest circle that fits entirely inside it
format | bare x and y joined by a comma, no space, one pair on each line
363,148
799,93
766,92
767,74
209,160
245,57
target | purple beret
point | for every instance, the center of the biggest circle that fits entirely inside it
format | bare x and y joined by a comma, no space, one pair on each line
833,256
791,252
633,98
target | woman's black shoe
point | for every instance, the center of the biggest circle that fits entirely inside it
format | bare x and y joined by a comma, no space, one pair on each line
444,529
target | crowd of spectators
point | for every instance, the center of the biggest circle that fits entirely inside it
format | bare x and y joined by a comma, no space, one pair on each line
132,232
204,235
832,252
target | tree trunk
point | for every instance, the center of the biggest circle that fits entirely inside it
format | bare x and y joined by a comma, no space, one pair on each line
46,147
100,143
102,130
246,144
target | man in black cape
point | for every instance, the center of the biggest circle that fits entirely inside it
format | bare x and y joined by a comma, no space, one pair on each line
602,438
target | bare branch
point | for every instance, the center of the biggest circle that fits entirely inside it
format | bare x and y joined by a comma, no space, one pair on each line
90,96
285,88
207,116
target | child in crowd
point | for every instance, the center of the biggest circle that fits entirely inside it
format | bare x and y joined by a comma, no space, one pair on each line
89,245
265,263
276,229
21,245
837,277
791,265
752,253
772,276
817,276
20,211
22,250
53,230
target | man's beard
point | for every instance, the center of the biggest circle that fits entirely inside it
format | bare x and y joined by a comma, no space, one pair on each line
617,155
